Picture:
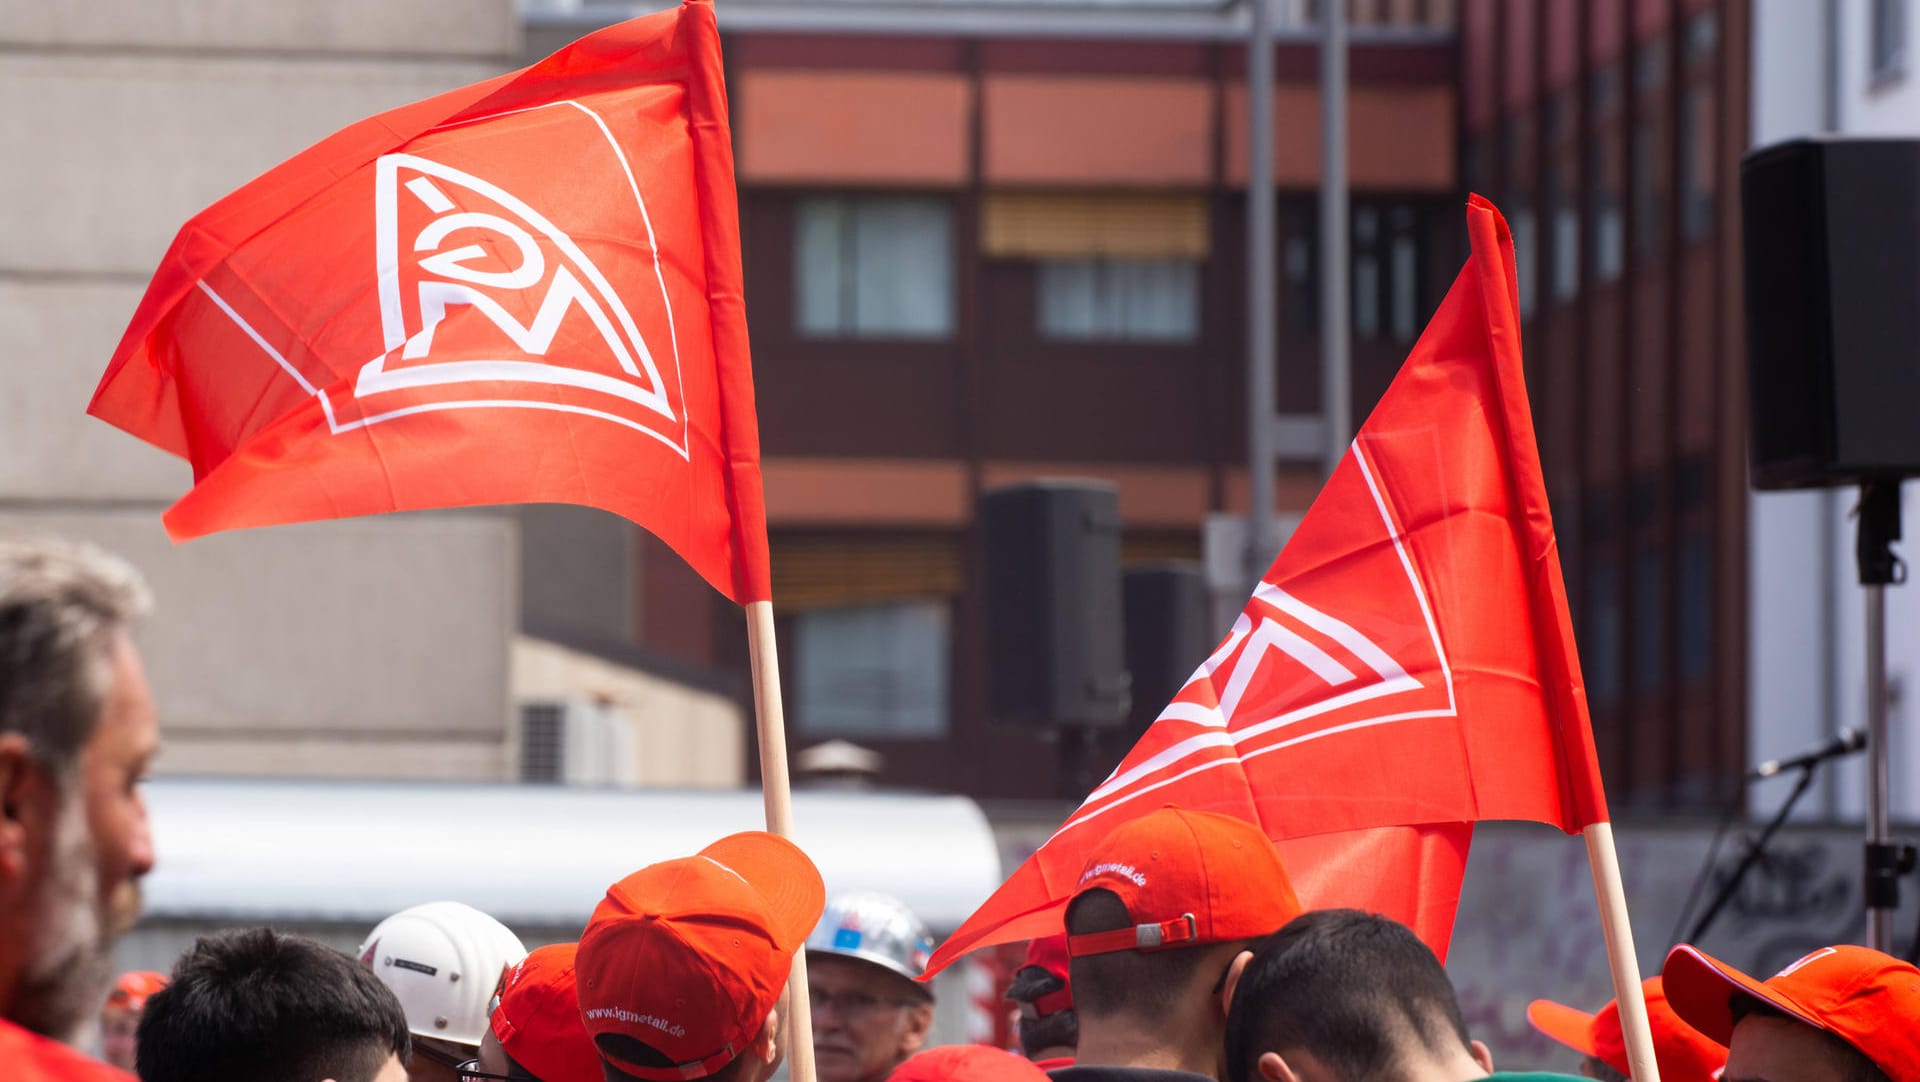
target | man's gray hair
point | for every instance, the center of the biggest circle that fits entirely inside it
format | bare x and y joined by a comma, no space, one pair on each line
61,604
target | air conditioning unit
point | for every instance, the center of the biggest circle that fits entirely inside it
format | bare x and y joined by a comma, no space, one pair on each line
577,742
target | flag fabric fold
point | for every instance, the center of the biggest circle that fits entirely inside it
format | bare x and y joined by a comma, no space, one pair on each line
1405,669
524,290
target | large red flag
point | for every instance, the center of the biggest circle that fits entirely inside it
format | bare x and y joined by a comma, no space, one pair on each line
1404,669
525,290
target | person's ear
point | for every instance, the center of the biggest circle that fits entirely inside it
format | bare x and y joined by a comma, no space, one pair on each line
1232,983
766,1043
1273,1067
20,783
919,1024
1481,1055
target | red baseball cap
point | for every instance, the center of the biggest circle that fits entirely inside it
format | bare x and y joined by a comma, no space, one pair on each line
1188,878
688,956
131,989
1682,1053
1867,999
538,1019
1049,955
966,1063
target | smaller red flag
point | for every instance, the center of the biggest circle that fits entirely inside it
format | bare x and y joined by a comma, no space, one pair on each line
525,290
1406,668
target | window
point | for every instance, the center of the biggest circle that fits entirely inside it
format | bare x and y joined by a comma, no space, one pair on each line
1649,618
1366,273
874,267
1696,605
1558,208
1887,46
1600,637
1651,144
1386,297
1517,140
873,670
1698,133
1147,300
1604,160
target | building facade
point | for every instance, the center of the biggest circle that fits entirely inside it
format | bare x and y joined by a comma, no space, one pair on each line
1611,131
985,246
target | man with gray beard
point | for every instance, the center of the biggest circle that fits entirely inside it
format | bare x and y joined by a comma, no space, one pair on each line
77,730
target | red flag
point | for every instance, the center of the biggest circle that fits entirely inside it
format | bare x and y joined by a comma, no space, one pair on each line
1404,669
525,290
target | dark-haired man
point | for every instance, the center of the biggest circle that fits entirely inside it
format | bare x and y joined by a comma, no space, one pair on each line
77,729
1166,905
261,1006
683,968
1840,1014
1344,996
1043,989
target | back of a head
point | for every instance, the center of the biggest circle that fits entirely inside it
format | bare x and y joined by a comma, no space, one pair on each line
261,1006
59,602
1358,992
1130,984
1159,897
966,1063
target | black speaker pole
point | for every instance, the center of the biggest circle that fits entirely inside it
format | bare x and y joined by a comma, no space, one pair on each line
1886,862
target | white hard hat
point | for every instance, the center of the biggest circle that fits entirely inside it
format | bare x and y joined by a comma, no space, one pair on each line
444,960
874,928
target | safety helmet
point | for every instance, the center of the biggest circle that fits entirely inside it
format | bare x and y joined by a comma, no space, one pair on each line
874,928
445,961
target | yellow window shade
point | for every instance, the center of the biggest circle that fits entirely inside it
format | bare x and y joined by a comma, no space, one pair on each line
1126,226
822,569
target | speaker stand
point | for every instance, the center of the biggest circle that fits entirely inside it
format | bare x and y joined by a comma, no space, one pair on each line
1886,862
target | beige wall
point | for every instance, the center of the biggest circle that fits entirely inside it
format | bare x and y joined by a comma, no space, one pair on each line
683,736
373,647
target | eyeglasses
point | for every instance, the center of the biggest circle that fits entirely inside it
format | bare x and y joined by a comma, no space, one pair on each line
853,1004
470,1072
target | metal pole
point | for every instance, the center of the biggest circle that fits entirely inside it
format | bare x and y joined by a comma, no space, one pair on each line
1879,920
1879,528
1261,294
1335,383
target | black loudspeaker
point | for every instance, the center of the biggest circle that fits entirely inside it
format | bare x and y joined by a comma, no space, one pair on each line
1053,603
1832,237
1169,631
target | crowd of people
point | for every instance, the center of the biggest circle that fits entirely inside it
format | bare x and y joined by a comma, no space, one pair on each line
1183,956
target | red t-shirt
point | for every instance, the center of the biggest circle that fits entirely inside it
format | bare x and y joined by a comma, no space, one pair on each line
29,1057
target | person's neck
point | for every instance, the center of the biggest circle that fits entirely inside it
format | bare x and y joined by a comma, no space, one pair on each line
1454,1067
1131,1042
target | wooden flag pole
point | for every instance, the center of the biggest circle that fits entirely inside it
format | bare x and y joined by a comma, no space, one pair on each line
770,718
1620,957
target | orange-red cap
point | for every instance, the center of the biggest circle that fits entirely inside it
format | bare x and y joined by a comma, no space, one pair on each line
966,1063
1865,998
538,1018
131,989
1187,878
688,956
1681,1052
1048,954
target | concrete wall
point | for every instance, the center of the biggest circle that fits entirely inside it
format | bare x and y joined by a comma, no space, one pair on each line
375,647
